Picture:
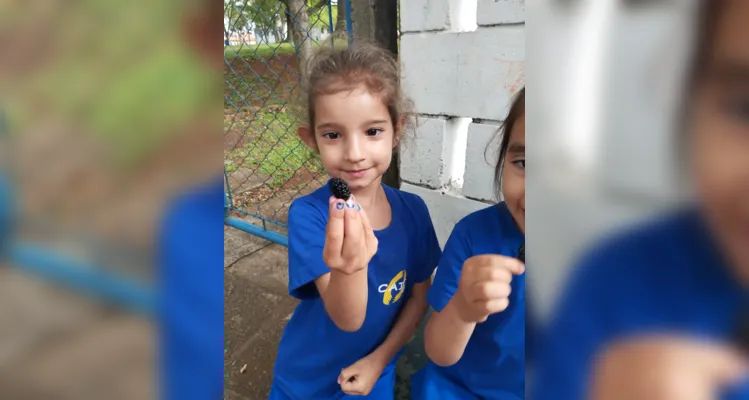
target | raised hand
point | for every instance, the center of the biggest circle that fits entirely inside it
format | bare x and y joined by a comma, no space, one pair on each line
350,242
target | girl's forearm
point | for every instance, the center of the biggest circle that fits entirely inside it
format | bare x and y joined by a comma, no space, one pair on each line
446,335
406,325
345,298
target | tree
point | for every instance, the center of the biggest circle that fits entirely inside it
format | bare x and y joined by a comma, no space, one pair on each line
319,14
263,15
280,28
339,15
235,17
289,24
299,22
316,16
340,23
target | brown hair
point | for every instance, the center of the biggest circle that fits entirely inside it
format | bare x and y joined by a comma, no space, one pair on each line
332,70
517,109
709,12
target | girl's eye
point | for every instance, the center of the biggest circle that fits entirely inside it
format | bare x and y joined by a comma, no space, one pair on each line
519,163
373,132
331,135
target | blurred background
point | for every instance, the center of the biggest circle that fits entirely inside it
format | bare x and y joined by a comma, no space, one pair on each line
606,79
107,112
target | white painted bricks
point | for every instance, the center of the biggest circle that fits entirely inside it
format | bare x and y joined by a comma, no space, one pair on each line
422,155
469,74
480,161
438,15
495,12
435,157
445,209
462,60
425,15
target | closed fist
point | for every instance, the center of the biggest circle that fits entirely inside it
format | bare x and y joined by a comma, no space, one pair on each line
484,286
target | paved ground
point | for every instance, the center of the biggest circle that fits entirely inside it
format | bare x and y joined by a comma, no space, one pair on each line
256,309
55,345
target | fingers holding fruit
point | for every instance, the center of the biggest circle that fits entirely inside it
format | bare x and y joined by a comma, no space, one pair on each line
370,238
349,240
354,245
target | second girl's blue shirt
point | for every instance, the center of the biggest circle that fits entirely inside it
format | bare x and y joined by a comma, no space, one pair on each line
493,364
666,276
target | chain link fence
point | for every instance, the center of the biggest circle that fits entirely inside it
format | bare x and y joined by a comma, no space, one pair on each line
266,165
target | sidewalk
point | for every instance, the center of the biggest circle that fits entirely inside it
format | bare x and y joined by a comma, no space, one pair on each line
56,345
256,308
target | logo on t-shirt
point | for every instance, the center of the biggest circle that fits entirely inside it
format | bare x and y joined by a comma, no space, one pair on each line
393,291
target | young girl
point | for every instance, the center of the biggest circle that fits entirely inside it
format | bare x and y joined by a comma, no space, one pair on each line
361,267
655,313
475,338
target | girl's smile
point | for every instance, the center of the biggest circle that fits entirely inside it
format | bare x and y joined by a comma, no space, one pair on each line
354,135
358,173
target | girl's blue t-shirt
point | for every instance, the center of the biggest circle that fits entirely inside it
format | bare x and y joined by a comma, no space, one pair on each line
313,350
664,277
493,364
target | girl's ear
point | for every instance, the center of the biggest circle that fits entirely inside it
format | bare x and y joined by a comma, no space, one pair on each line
308,137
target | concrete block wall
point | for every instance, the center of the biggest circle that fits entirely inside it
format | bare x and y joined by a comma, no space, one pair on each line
591,178
462,61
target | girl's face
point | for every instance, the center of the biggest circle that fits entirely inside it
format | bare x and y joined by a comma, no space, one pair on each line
513,173
354,135
720,148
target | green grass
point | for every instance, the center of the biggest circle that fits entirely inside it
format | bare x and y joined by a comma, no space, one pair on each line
244,89
273,148
267,51
258,51
264,118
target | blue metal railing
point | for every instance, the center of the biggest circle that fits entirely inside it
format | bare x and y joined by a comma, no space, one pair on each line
92,280
89,279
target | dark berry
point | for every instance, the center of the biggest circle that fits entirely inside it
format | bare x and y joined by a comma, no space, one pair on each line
340,189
